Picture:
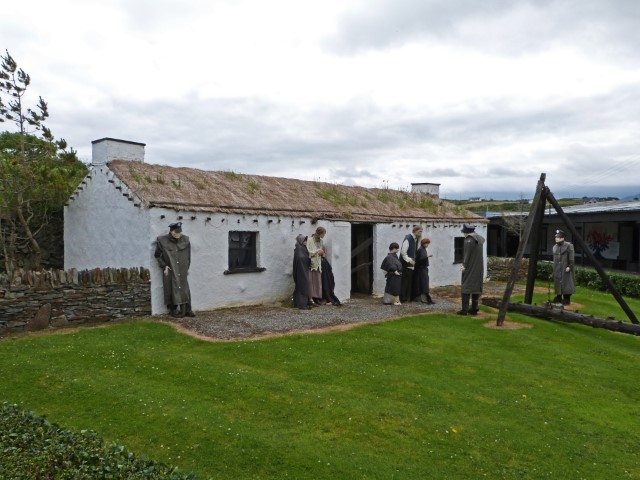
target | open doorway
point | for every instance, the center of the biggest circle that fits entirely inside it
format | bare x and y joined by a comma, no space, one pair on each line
361,258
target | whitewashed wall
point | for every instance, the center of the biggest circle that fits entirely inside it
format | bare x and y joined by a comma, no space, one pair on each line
107,149
102,228
209,234
442,270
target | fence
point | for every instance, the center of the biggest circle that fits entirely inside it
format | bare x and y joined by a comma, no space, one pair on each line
35,300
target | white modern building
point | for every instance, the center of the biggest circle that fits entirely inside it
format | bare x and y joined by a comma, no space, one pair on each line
243,227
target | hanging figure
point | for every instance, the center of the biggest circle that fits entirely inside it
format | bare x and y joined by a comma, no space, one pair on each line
564,259
173,252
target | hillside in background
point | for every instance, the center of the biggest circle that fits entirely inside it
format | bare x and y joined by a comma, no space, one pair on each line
484,207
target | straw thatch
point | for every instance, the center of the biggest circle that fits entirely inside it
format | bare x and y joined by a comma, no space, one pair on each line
190,189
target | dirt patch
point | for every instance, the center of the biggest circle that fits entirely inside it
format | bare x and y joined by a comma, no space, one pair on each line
507,325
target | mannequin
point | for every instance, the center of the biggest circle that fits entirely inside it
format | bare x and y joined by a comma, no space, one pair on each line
564,281
173,252
472,270
421,275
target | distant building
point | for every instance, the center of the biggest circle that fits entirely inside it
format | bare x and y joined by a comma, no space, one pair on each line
428,188
611,229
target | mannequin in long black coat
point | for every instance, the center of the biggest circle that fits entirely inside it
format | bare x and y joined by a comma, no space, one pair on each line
421,275
301,264
328,283
393,268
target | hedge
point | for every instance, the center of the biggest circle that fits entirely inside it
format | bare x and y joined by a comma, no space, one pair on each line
627,285
32,447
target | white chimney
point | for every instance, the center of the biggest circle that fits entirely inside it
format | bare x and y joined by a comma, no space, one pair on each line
430,188
107,149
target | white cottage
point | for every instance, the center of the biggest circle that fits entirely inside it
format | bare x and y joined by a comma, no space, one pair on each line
243,227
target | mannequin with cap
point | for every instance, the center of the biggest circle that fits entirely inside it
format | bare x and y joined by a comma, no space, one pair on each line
564,259
173,253
472,270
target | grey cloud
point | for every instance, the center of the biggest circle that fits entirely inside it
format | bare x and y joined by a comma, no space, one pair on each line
440,172
598,27
156,15
360,143
385,23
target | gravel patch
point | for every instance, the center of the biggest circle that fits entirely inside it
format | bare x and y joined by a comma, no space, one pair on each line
260,321
241,323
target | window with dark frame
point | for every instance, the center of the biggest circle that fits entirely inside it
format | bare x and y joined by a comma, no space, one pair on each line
243,251
458,249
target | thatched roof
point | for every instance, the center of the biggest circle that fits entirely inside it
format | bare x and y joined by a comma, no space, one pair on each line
190,189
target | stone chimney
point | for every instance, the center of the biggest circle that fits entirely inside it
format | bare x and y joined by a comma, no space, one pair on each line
107,149
430,188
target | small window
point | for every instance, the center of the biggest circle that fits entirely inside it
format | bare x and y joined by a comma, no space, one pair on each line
243,252
458,249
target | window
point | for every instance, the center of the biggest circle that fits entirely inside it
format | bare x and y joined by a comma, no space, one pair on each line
458,249
243,252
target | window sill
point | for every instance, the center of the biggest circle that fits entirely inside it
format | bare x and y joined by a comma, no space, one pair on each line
244,270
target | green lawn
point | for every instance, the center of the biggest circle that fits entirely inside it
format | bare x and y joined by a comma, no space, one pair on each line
431,397
587,301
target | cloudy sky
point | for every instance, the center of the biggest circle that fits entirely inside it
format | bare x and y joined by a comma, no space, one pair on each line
479,96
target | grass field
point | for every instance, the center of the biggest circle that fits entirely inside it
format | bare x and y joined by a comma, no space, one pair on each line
428,397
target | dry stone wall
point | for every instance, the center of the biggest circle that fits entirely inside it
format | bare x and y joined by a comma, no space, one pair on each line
35,300
499,268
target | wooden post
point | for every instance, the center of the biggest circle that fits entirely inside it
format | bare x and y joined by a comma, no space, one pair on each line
586,250
520,253
535,249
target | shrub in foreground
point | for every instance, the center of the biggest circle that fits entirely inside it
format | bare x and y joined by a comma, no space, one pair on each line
31,447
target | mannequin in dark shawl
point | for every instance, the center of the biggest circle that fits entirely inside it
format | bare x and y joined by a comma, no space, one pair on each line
328,283
392,265
421,275
301,264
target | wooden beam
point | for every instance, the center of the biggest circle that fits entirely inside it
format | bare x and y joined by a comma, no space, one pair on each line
361,247
532,272
520,253
550,311
594,261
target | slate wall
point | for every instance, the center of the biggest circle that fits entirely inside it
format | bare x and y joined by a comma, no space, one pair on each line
35,300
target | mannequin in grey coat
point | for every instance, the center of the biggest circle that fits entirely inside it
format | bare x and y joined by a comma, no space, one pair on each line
173,252
472,270
564,259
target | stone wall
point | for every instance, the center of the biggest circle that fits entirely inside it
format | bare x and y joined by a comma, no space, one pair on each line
35,300
500,268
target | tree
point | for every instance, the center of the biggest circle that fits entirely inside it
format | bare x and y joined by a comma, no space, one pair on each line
515,222
37,172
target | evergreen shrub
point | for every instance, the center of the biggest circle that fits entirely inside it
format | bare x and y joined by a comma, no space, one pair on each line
32,447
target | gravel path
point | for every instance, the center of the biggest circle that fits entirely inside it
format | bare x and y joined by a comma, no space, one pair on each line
260,321
241,323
